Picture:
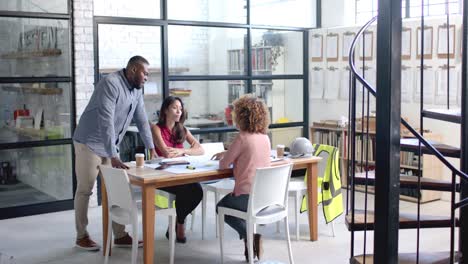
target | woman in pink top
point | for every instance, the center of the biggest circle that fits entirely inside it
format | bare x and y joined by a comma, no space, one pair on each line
249,150
169,134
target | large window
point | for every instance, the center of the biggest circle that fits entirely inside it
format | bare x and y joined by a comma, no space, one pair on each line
209,53
125,8
229,11
295,13
366,9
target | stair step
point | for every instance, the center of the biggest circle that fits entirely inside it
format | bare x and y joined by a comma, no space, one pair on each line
410,258
409,182
407,221
449,115
411,144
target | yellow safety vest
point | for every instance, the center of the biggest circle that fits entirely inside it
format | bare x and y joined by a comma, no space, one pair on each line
330,184
161,201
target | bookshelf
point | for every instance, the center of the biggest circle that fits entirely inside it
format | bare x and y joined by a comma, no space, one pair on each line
431,167
262,64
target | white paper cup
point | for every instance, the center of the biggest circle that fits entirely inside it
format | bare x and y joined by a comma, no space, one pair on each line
140,160
279,151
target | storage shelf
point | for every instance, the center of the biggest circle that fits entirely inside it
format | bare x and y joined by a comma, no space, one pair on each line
33,90
32,54
372,163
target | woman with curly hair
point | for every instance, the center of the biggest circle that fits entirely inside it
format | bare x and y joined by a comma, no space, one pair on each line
249,150
169,134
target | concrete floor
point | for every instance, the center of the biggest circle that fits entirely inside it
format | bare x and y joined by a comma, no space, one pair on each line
49,238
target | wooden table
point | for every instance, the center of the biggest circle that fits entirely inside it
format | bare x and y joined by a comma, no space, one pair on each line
149,179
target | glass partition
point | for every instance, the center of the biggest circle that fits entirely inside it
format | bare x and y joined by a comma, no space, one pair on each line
117,44
227,138
208,102
276,52
207,50
34,111
34,47
282,97
35,175
284,136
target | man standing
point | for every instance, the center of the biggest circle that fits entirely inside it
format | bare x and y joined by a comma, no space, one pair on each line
116,100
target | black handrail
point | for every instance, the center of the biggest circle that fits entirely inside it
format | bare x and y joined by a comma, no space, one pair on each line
369,87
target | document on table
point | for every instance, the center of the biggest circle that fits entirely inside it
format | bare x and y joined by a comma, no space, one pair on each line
197,164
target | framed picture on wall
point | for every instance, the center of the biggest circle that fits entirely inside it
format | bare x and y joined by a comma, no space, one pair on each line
316,48
332,46
446,41
406,43
428,37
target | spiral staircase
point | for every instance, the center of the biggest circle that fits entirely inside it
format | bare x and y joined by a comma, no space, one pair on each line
384,221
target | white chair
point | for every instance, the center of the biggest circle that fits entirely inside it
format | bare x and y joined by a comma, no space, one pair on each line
219,188
122,208
298,188
268,203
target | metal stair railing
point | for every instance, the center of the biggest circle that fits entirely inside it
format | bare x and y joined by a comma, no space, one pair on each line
430,148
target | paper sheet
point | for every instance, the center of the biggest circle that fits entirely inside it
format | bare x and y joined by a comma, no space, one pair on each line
406,43
407,83
332,47
333,84
344,84
367,41
316,47
370,77
347,40
316,84
441,89
429,85
427,41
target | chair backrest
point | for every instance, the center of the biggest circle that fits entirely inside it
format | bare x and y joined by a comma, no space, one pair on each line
118,188
270,188
212,148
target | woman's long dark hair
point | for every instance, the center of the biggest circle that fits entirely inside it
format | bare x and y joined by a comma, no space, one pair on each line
178,132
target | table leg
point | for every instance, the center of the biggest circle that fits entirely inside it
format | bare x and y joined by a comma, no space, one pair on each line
312,171
105,216
148,224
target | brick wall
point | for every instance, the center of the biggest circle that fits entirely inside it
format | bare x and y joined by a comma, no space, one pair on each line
84,56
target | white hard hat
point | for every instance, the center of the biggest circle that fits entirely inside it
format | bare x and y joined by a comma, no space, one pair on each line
301,147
